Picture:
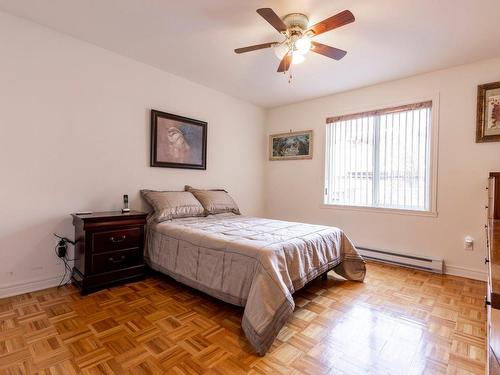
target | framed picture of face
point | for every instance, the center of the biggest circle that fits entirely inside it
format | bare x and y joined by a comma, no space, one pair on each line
488,112
178,142
291,146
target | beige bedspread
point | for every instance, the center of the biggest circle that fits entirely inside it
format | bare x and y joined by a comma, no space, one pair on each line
253,262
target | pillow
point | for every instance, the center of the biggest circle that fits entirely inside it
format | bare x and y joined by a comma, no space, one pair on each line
215,201
172,204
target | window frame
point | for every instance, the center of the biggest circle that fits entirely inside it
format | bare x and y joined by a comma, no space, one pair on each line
433,160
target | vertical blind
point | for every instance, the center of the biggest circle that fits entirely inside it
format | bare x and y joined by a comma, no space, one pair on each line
380,158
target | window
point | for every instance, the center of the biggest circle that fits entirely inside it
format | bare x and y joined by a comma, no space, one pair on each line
380,158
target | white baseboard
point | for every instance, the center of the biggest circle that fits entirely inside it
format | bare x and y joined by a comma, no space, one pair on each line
29,286
469,273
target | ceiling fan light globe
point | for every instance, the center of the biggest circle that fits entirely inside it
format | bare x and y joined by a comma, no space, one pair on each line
280,51
303,45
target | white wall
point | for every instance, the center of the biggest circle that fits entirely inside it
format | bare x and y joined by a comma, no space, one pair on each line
74,135
463,167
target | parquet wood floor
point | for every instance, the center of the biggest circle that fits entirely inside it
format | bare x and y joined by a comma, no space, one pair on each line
398,321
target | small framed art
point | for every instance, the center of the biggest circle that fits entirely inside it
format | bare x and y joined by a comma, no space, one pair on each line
488,112
291,146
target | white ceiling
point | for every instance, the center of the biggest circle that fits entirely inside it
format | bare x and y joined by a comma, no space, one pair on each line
195,39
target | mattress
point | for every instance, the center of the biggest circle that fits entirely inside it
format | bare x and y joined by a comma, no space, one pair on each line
252,262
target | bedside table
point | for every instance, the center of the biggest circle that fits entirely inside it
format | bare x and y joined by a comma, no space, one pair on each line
109,249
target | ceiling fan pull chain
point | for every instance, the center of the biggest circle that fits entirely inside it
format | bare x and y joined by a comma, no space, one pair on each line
289,72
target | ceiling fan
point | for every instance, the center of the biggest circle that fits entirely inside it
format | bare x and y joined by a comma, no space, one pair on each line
294,27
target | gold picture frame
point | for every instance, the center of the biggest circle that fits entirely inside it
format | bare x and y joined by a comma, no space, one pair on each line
488,112
291,146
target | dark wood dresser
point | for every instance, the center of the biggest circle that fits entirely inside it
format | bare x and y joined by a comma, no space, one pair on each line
109,249
493,263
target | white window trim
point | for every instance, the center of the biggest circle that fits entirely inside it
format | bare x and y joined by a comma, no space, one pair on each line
432,212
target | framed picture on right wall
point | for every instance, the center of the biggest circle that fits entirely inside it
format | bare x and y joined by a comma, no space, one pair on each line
291,146
488,112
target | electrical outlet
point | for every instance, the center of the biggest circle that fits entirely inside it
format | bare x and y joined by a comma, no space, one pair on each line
468,243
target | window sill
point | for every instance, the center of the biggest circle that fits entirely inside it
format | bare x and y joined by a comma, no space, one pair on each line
381,210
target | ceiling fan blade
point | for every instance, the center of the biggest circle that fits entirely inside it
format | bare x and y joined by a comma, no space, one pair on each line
331,52
271,17
254,48
285,63
340,19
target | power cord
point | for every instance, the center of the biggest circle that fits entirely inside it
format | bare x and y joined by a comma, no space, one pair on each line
61,251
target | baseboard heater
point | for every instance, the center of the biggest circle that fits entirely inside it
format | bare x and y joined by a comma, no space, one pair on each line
401,259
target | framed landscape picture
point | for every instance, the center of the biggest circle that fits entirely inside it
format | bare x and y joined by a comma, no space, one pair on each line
178,142
488,112
291,146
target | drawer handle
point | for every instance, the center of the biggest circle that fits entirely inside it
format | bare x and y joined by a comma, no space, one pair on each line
118,239
486,302
115,261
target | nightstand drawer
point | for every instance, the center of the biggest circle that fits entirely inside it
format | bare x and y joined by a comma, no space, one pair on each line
116,260
117,240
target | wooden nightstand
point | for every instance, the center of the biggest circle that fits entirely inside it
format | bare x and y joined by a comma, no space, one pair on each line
109,249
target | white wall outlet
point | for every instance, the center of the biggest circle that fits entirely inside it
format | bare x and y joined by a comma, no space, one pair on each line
468,243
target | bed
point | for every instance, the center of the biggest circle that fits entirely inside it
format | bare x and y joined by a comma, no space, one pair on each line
252,262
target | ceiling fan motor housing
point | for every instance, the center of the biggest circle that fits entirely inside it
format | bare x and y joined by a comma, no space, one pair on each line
294,21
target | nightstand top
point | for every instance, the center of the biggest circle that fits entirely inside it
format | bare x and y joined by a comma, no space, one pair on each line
106,215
